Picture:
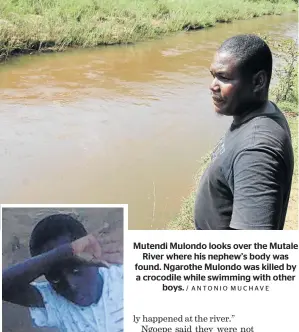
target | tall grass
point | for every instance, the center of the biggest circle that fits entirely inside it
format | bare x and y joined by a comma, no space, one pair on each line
27,25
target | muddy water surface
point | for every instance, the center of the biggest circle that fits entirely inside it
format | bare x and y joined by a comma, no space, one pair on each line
115,125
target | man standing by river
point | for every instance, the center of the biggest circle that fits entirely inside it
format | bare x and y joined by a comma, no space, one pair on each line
248,183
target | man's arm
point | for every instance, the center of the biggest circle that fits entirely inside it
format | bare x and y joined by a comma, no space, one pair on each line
16,287
258,190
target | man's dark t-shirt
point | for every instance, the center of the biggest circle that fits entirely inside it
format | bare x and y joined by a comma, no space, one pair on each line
248,183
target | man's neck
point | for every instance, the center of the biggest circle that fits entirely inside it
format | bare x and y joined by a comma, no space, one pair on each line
249,108
247,114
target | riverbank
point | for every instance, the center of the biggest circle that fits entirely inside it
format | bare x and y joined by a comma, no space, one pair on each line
185,219
28,26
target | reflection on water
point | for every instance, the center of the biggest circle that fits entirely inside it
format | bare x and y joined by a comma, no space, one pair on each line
124,124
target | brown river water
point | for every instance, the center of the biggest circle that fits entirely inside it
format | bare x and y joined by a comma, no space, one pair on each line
124,124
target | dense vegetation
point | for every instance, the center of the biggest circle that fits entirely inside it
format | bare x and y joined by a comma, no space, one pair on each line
39,25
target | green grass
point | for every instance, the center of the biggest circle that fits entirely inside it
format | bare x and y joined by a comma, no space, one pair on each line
185,220
39,25
292,214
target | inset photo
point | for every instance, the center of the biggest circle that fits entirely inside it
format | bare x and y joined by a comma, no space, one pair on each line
62,267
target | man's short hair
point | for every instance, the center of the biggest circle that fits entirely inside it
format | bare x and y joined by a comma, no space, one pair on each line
251,52
52,227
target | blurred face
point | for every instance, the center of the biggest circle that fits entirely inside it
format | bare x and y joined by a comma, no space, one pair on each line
230,91
79,284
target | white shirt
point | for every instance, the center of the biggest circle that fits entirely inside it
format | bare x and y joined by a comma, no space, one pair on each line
104,316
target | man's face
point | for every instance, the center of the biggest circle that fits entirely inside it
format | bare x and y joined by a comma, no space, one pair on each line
230,90
77,283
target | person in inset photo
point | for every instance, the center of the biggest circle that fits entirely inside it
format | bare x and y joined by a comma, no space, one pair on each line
83,272
248,182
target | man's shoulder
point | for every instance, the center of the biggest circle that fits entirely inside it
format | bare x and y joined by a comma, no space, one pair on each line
271,129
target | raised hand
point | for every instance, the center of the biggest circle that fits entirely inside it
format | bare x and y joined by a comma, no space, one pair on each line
97,249
87,250
112,245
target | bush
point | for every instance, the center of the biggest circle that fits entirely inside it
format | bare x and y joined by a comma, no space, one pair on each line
285,92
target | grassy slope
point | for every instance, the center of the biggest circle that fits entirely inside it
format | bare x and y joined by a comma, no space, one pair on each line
27,25
184,219
292,215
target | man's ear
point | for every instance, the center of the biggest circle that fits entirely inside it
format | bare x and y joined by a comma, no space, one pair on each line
260,81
